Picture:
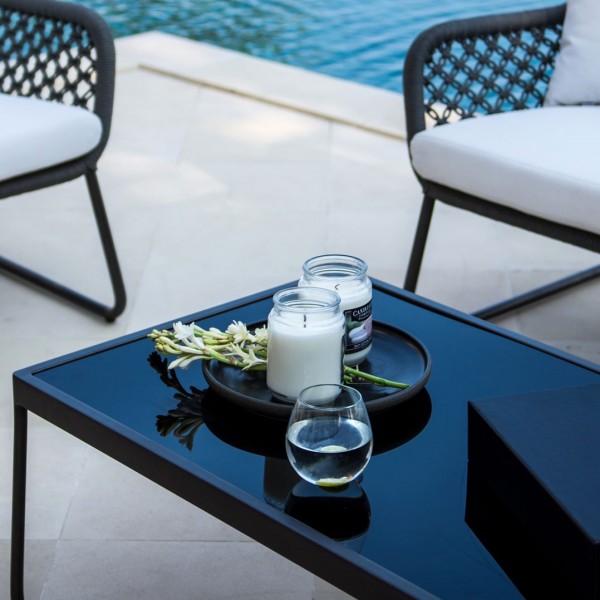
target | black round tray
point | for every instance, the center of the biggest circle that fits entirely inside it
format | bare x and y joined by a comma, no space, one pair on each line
395,355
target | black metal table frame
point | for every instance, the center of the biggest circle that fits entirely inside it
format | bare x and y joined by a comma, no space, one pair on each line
285,535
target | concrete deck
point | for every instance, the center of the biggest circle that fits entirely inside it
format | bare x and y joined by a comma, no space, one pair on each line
222,175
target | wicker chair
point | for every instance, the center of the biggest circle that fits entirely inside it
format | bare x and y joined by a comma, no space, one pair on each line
477,67
57,67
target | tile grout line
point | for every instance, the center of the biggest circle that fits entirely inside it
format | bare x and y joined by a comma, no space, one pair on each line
262,98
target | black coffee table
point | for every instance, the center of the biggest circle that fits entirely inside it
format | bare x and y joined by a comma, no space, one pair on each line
403,531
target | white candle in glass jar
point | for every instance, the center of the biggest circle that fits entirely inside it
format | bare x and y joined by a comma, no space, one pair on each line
306,329
347,275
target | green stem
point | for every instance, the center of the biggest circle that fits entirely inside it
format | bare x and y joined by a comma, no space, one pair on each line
349,371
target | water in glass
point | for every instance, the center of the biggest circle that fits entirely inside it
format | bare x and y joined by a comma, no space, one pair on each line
329,439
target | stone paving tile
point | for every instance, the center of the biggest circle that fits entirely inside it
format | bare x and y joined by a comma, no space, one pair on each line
151,570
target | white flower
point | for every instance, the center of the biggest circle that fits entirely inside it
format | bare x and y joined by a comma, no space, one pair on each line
247,358
261,335
239,331
252,360
183,331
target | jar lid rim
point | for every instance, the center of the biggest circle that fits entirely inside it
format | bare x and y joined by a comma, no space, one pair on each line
335,260
329,299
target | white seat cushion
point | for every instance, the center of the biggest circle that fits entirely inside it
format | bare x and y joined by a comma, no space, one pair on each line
35,134
543,162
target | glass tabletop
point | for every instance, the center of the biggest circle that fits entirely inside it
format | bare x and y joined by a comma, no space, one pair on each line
408,511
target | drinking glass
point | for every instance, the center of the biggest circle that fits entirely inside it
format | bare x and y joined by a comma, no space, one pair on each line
329,440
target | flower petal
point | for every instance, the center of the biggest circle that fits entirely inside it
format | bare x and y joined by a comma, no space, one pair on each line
182,331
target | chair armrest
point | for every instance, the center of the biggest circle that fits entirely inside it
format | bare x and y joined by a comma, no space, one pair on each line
480,65
58,51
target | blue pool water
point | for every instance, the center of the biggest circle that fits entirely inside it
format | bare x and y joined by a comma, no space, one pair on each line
360,40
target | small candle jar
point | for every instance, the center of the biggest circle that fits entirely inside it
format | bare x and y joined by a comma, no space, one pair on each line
306,331
346,275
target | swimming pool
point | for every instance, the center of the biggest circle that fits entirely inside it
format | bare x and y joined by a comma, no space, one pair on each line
360,40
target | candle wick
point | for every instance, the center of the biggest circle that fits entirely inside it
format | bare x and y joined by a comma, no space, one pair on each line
304,321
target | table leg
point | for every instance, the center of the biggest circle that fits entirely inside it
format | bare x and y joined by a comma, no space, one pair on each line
18,506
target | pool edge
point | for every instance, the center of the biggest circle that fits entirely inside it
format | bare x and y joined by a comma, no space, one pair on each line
363,106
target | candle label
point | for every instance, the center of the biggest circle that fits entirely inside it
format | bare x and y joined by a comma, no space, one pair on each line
359,328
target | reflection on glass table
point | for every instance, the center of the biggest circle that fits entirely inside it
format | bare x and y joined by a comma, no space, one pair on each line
342,513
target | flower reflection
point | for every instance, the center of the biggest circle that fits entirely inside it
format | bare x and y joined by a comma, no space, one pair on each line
183,421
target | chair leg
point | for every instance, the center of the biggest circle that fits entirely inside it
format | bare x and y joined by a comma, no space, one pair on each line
110,313
416,257
17,555
489,312
537,294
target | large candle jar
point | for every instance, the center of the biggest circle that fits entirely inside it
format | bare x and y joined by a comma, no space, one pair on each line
306,331
347,275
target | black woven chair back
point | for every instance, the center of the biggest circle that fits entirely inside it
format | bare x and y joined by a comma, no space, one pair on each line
482,66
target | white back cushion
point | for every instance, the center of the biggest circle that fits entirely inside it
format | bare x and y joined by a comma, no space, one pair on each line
576,78
35,134
543,161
